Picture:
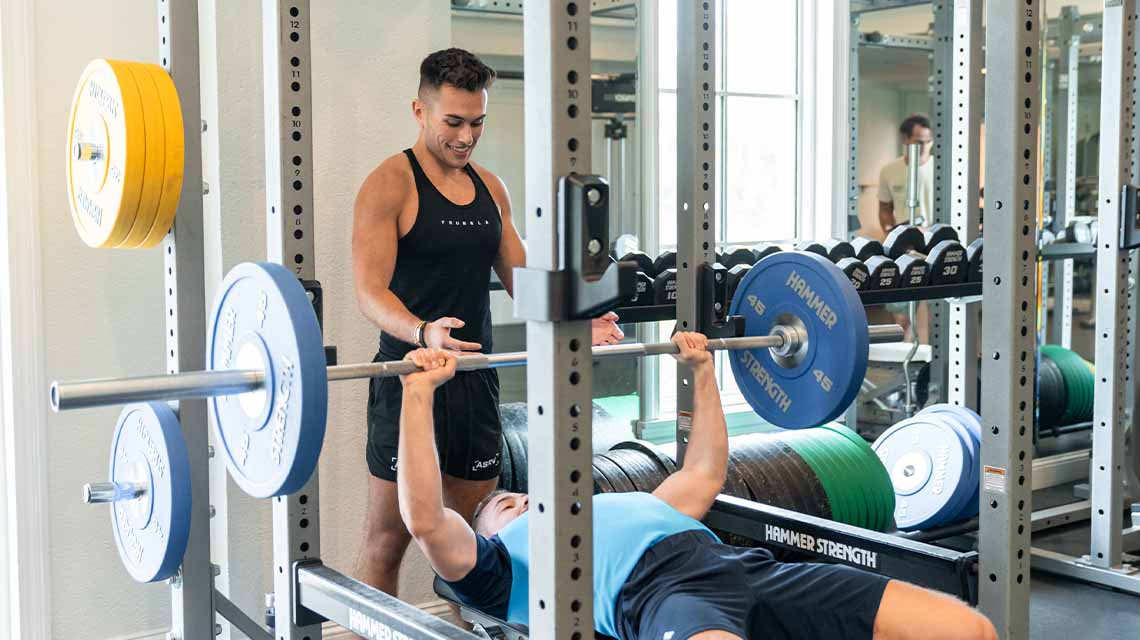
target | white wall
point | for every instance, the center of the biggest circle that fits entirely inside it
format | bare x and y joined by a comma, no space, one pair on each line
102,309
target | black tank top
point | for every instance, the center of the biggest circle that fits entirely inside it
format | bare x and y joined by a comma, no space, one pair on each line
443,263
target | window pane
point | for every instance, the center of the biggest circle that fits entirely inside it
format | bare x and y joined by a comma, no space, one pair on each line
667,169
761,41
667,44
760,163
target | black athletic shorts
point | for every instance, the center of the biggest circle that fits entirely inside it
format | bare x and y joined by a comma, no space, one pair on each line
686,584
467,425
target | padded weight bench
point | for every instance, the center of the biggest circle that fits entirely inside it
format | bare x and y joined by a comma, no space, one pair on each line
492,626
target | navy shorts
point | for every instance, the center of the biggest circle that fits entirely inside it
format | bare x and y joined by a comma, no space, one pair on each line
686,584
468,430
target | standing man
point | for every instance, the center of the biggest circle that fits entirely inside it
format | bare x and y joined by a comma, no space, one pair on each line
428,227
892,178
892,194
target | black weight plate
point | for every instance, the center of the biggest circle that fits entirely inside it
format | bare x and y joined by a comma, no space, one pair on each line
838,249
974,261
601,482
884,273
614,473
665,287
506,471
664,462
738,255
781,489
782,461
947,261
811,246
866,248
818,503
937,233
735,275
644,262
764,489
642,471
763,250
855,271
903,238
913,270
517,440
643,291
739,476
667,260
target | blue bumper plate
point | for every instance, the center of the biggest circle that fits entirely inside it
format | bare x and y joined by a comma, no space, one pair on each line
817,383
152,528
272,437
927,460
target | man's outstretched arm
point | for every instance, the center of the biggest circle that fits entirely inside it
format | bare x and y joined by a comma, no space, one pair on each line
694,487
442,534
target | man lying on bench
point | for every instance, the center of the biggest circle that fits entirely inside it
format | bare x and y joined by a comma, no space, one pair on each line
658,572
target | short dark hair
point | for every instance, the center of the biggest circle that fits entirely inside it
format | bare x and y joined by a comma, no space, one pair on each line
912,121
484,502
456,67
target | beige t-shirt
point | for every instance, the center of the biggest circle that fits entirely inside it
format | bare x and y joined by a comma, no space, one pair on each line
892,188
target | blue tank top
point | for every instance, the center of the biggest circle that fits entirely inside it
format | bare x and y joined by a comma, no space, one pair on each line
625,526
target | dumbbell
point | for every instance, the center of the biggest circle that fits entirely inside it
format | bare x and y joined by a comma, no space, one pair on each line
644,262
667,260
882,273
838,249
665,287
941,263
974,261
855,271
737,255
763,250
643,291
866,248
811,246
937,233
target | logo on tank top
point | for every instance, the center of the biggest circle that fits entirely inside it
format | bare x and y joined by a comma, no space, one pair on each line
465,223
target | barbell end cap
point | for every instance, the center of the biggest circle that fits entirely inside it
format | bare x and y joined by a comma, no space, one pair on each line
55,396
87,493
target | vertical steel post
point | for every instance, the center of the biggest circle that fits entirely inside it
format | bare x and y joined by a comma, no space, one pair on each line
556,60
289,241
696,177
1065,162
1012,109
192,590
964,326
1113,374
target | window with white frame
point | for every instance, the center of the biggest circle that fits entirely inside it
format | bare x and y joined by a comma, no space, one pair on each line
757,137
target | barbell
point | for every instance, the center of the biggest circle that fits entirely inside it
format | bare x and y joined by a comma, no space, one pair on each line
800,363
802,359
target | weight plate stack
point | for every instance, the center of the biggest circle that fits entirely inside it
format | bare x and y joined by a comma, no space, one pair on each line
1078,382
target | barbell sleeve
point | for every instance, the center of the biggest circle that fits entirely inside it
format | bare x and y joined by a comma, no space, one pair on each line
98,492
204,384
